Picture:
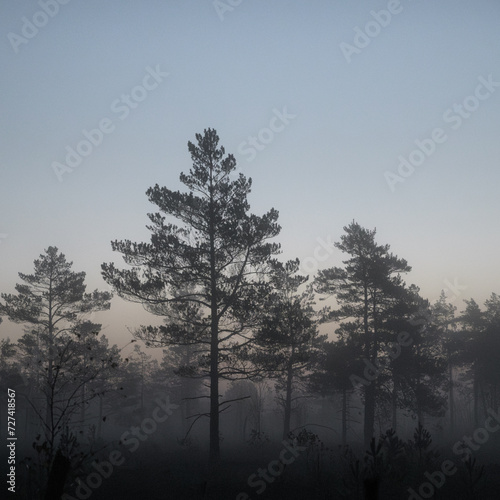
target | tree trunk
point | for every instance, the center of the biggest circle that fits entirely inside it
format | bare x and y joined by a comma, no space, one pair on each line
483,400
420,413
258,413
451,401
394,406
288,402
187,387
369,418
244,429
495,398
344,416
57,477
82,409
99,420
418,392
476,398
214,392
214,454
49,394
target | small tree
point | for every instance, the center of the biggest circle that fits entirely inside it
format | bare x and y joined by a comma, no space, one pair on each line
288,340
52,303
178,364
339,362
417,371
141,369
205,276
443,320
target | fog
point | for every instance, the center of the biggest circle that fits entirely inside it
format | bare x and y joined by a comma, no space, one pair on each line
248,249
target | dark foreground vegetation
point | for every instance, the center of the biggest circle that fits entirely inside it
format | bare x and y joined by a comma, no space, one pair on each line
389,469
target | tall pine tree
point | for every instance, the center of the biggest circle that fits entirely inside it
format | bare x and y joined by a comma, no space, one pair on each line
206,275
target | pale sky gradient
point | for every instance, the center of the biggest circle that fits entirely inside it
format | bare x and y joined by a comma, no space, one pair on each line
323,169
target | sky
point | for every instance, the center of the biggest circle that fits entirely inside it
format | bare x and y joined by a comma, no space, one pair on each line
383,112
